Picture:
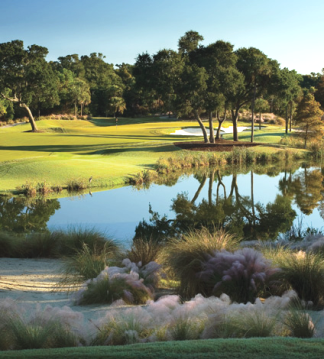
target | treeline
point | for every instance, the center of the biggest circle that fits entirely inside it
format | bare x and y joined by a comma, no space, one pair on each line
212,81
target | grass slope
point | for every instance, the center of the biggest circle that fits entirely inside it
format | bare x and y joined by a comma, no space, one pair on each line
265,348
68,150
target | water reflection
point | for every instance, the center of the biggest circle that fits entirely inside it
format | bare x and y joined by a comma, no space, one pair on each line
255,202
225,206
21,214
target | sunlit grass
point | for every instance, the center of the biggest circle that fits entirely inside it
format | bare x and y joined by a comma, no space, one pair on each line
68,150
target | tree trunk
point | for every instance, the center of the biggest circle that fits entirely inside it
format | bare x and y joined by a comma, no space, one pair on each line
210,187
252,198
75,109
211,127
287,119
81,109
203,128
306,133
260,121
220,183
202,184
290,116
30,115
220,124
21,104
234,120
252,124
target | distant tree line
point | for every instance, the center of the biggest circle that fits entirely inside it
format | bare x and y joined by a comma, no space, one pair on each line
212,82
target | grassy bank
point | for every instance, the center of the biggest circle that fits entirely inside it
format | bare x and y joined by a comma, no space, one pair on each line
213,348
77,150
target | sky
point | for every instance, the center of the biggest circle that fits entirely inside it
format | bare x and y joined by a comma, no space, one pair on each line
289,31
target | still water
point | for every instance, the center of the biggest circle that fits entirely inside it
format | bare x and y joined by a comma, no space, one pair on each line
253,203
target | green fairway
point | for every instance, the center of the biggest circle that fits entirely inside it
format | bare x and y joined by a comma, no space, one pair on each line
67,150
279,348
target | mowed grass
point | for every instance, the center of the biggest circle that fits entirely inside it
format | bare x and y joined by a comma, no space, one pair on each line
254,348
77,150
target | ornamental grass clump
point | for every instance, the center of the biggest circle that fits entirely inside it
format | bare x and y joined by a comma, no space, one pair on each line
298,321
184,258
304,273
23,328
132,284
242,275
144,251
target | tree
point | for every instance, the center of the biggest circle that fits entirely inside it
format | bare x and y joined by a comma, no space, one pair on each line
189,42
288,90
191,93
217,59
80,93
261,105
319,94
309,119
27,76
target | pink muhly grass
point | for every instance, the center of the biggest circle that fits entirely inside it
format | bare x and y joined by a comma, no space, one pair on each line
240,274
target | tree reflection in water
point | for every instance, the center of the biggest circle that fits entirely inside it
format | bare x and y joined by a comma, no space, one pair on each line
23,214
227,208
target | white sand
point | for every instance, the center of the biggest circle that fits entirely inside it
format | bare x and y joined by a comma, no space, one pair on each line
36,282
196,131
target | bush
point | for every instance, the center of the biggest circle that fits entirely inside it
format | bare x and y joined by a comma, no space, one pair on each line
143,251
241,275
184,257
303,272
298,321
131,283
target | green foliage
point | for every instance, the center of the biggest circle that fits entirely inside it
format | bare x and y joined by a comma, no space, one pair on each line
144,250
23,335
298,321
120,331
184,257
186,329
87,263
107,290
252,324
303,272
58,244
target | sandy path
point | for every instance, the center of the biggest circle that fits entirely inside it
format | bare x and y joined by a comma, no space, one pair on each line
36,282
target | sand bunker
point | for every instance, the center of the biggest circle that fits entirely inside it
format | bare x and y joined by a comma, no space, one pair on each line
196,131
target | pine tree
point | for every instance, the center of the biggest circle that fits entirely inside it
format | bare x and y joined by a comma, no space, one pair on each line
309,119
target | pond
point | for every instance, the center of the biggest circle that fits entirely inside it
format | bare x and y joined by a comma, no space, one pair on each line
257,202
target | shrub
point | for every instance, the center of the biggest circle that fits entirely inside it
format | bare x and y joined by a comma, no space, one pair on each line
122,329
185,328
76,185
298,321
9,244
84,264
131,283
303,272
26,335
143,251
241,275
184,257
255,323
74,239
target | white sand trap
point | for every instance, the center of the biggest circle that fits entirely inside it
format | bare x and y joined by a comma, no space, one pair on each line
196,131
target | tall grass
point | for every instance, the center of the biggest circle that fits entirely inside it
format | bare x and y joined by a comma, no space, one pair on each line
298,321
184,258
303,272
242,275
54,244
87,263
143,251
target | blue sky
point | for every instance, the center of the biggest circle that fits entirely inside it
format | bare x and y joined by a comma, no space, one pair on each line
290,31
